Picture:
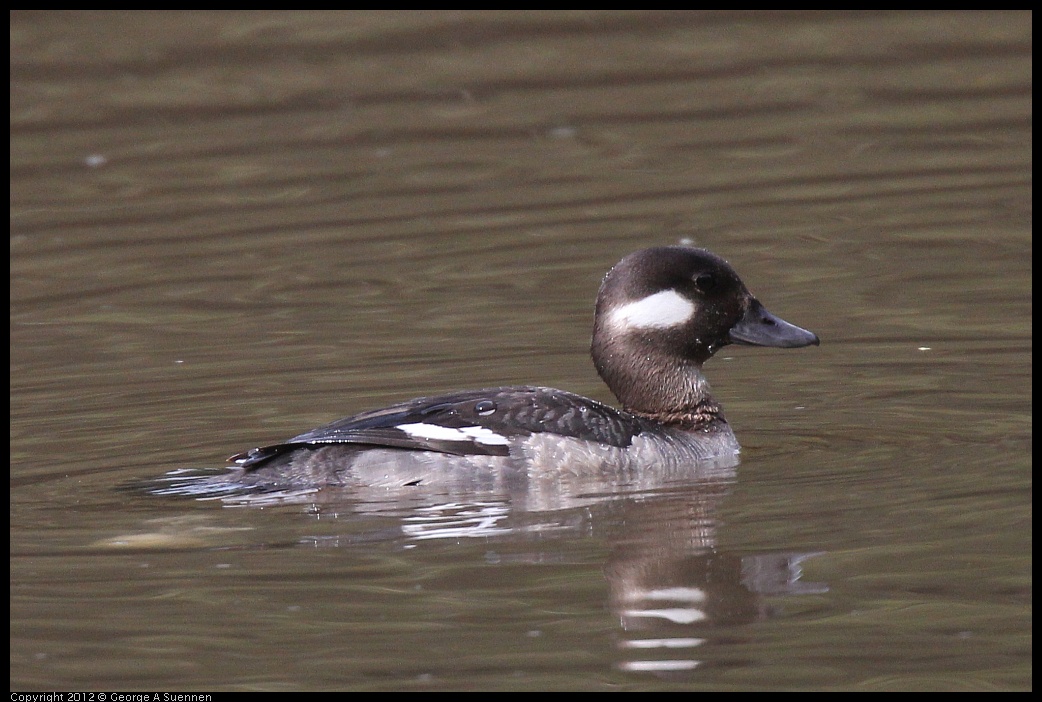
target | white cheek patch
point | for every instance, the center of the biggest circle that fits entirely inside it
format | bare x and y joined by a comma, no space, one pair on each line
479,435
659,311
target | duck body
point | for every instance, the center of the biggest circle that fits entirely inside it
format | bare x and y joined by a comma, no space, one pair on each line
661,313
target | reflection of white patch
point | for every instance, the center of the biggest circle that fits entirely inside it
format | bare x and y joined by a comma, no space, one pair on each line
663,643
677,615
479,435
659,311
681,594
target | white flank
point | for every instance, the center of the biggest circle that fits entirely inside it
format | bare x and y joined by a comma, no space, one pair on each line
659,311
479,435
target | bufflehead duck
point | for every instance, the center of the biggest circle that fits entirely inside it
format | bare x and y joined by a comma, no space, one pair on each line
661,313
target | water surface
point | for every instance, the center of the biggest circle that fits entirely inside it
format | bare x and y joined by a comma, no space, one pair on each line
230,228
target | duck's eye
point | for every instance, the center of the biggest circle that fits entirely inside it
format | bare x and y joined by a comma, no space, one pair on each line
705,282
485,407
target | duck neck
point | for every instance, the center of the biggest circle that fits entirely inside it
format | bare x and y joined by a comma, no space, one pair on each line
665,389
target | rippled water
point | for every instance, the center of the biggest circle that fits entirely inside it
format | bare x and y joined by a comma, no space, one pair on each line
229,228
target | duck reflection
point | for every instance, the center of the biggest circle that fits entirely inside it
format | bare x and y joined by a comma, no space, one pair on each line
672,589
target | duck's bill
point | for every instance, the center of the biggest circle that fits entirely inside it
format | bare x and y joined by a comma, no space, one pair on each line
761,328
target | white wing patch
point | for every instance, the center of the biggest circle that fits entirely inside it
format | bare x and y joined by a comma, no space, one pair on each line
479,435
659,311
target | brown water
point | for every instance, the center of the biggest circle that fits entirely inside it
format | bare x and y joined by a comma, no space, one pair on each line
229,228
